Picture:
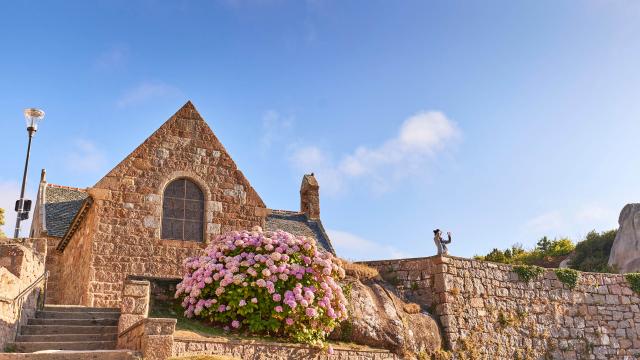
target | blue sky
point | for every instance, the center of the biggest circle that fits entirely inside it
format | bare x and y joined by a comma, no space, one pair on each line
500,121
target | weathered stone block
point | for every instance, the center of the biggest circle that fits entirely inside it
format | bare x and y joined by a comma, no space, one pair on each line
138,289
213,229
151,222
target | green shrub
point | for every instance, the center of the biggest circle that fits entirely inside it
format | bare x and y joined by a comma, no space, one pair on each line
1,222
568,276
504,320
545,250
634,281
592,254
527,272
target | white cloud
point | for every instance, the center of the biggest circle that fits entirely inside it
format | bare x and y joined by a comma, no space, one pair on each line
9,193
420,138
311,159
144,92
596,214
275,127
353,247
114,57
573,223
86,157
550,222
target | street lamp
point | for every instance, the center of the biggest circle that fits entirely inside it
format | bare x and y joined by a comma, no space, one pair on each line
33,117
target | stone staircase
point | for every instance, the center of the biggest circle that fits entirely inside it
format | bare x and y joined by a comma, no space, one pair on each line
71,332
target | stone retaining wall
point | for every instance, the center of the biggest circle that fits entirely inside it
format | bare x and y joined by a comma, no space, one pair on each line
21,263
153,338
486,311
255,350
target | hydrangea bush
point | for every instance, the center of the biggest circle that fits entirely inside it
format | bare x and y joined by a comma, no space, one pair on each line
268,283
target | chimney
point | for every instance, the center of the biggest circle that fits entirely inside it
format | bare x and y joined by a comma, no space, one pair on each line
310,197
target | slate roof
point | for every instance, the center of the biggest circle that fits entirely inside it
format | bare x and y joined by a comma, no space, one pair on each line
60,207
63,203
298,224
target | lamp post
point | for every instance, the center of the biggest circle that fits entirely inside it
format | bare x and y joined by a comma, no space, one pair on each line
33,117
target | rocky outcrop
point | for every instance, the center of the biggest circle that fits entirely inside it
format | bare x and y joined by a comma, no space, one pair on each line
625,253
379,318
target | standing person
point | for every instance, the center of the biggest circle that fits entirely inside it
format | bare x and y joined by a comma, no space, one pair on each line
441,244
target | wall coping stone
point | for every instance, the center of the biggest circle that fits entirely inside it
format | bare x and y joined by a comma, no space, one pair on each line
220,340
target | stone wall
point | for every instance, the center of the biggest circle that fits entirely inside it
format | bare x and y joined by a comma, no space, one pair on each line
258,350
53,266
74,266
21,264
134,305
486,311
151,337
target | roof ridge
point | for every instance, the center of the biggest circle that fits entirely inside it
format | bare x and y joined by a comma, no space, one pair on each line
66,187
279,211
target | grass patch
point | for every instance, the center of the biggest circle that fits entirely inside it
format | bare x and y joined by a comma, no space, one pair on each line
174,310
527,273
360,271
412,308
568,276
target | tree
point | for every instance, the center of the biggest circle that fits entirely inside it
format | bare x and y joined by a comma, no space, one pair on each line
1,222
543,244
592,254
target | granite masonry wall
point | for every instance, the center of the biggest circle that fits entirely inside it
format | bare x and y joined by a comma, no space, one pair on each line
21,264
53,266
263,350
74,266
486,311
127,209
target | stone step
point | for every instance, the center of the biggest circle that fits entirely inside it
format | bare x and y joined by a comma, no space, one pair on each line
29,347
73,355
66,329
67,337
77,315
78,308
73,322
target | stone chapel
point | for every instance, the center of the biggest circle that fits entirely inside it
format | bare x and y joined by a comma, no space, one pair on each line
163,203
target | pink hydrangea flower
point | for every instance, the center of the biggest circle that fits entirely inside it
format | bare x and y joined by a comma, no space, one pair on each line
311,312
240,260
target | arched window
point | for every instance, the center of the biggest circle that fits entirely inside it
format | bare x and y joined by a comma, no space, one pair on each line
182,211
